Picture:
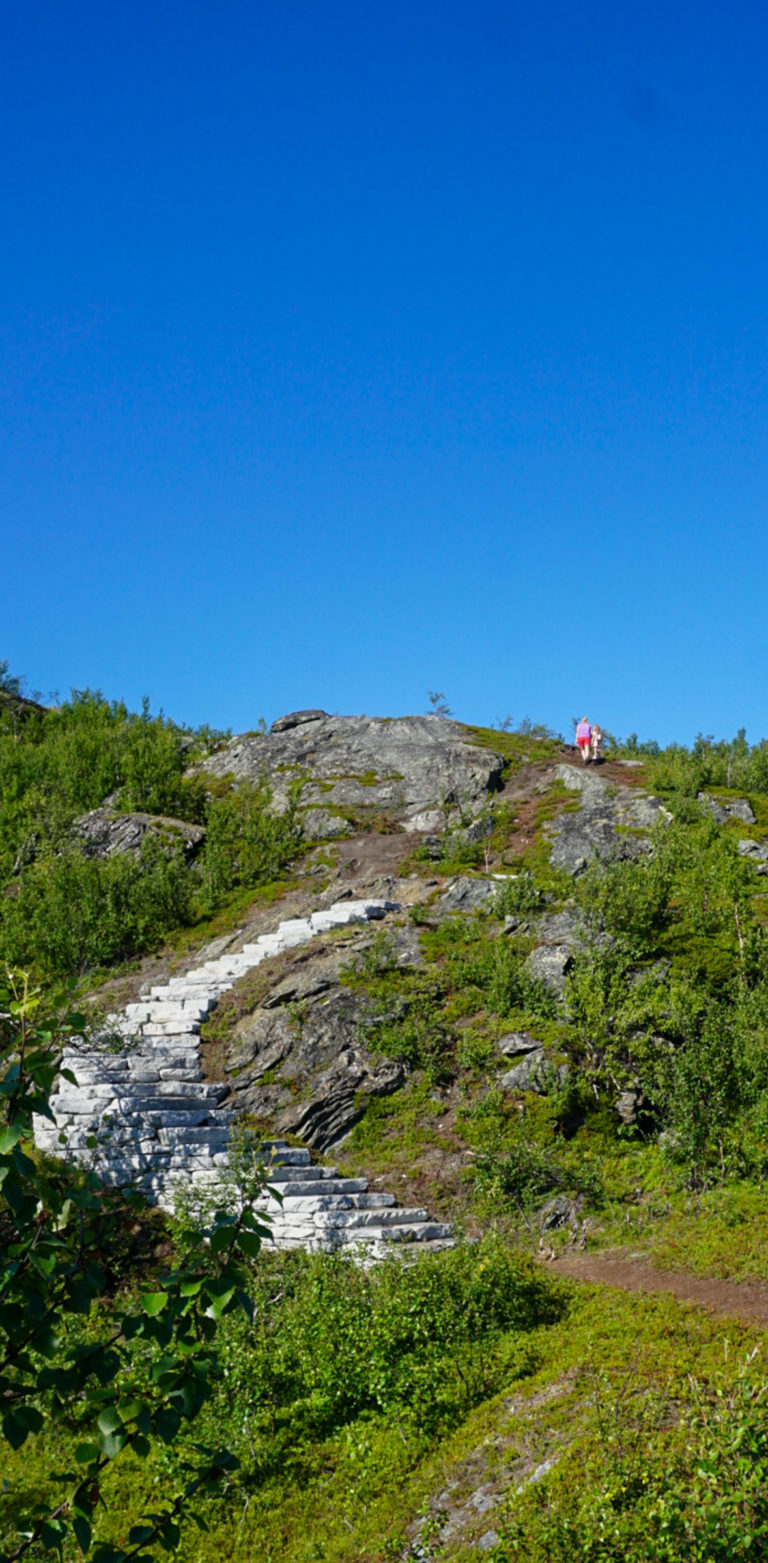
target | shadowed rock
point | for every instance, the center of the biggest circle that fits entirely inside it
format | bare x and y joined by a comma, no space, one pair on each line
104,833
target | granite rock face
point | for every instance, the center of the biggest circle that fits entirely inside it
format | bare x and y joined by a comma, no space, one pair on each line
558,935
299,1060
611,823
104,833
405,767
464,895
755,852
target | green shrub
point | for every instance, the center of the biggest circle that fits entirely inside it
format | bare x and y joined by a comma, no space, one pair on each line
71,913
246,842
331,1341
517,895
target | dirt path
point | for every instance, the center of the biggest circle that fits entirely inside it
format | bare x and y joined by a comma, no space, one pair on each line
746,1301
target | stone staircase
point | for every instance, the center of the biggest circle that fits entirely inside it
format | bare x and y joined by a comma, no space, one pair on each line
318,1210
139,1112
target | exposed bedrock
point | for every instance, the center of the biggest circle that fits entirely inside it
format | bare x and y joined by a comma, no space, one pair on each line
299,1060
611,822
406,767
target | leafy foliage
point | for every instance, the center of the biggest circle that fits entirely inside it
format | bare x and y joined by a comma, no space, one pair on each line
62,912
662,1485
71,913
247,842
119,1373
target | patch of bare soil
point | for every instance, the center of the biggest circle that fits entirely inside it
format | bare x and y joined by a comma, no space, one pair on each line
618,771
746,1301
371,855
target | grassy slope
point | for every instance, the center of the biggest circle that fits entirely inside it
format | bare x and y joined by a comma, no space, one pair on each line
372,1489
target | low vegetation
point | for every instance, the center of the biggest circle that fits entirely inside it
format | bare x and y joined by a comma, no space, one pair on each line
467,1404
63,912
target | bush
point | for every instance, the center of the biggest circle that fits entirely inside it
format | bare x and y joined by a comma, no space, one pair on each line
71,913
247,843
332,1341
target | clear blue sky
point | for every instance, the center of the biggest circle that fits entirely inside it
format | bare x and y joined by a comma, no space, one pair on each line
350,350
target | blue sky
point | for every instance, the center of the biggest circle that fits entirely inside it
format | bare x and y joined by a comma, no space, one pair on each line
349,351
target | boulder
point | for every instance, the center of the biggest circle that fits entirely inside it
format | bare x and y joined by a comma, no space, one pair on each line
464,895
517,1043
629,1106
550,964
103,833
724,809
558,1212
755,852
535,1071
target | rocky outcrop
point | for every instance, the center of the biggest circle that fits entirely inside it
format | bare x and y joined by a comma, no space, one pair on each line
403,767
465,895
558,935
299,1060
533,1068
725,809
611,822
755,852
104,832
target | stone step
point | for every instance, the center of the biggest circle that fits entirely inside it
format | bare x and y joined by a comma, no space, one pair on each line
158,1124
286,1159
306,1204
140,1090
210,1136
417,1232
330,1186
371,1201
396,1215
169,1028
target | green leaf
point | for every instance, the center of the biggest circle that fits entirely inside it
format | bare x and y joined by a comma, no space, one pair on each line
14,1430
82,1532
112,1443
221,1237
190,1288
153,1303
217,1307
10,1136
85,1454
109,1419
167,1424
250,1243
170,1535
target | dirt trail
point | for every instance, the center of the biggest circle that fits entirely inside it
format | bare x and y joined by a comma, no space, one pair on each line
746,1301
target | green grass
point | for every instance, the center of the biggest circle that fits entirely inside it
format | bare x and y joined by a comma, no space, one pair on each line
604,1394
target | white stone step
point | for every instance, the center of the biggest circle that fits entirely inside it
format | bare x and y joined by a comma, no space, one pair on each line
298,1190
417,1232
396,1215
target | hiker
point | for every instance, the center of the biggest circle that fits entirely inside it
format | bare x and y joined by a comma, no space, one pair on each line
584,739
597,741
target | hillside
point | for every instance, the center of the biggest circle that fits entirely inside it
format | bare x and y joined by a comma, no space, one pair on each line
549,1038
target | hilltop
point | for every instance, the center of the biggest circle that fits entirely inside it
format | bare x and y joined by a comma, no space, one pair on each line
556,1040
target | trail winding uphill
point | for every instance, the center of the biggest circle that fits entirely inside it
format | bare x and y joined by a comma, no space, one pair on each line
746,1301
140,1113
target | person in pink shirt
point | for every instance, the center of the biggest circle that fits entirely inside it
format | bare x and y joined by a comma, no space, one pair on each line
584,738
